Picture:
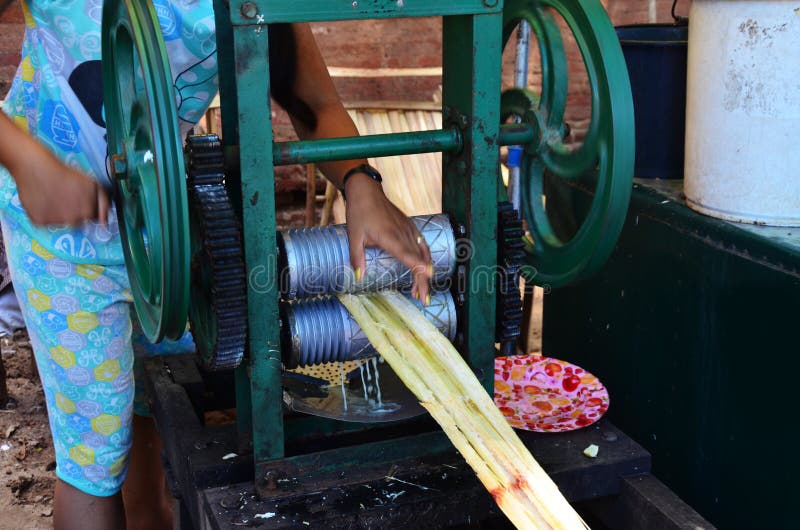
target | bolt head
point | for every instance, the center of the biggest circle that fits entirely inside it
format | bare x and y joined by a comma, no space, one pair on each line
249,10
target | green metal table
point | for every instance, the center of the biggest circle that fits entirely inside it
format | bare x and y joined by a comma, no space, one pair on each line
692,325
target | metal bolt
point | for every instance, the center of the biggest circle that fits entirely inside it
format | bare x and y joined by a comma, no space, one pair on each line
119,166
490,3
249,10
400,3
355,5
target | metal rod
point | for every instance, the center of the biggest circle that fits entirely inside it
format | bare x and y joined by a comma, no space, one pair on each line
521,63
516,134
520,81
304,152
378,145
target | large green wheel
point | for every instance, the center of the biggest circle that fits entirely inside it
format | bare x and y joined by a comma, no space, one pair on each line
147,166
607,152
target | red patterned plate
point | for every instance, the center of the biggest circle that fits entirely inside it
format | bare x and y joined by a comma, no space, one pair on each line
542,394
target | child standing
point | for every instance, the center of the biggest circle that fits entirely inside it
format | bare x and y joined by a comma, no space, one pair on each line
65,254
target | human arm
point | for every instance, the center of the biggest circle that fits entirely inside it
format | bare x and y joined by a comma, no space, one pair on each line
51,192
372,220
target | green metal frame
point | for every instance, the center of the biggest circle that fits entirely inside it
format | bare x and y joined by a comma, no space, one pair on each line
473,36
471,96
270,11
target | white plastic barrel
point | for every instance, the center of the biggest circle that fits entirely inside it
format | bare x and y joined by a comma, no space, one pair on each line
743,111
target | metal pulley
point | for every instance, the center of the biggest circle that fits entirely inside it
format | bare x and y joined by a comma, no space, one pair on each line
606,155
146,162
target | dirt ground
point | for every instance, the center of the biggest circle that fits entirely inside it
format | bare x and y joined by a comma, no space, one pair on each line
27,465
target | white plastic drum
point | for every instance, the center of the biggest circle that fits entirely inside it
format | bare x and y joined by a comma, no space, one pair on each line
743,111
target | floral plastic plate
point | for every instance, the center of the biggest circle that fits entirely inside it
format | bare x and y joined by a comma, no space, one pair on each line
542,394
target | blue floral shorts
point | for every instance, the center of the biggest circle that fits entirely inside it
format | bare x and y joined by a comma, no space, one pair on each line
89,354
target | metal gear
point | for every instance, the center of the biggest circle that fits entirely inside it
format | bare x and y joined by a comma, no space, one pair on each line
510,254
218,292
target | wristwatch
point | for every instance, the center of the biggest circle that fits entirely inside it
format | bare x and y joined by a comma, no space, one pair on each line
366,169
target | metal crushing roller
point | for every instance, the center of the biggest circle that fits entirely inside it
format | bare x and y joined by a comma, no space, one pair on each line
321,330
316,261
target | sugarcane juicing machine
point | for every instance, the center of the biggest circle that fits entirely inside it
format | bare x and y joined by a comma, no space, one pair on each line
199,224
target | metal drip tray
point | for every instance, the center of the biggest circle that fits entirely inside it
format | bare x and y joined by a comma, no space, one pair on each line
364,390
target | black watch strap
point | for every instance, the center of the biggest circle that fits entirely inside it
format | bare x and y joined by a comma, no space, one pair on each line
366,169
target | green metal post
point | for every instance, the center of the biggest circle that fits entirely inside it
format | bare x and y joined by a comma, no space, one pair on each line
230,135
258,215
226,66
471,98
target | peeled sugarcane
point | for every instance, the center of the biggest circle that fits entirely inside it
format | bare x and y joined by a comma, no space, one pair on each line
437,374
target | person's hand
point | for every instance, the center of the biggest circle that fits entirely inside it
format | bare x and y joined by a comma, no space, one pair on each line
372,220
53,193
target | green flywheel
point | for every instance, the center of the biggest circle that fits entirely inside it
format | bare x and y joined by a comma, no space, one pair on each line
147,166
607,152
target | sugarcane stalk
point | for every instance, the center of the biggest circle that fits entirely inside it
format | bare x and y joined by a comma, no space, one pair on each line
482,459
491,444
448,389
448,360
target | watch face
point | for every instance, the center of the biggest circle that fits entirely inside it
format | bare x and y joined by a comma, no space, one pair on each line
370,171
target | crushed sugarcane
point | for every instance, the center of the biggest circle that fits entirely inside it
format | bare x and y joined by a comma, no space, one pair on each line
445,385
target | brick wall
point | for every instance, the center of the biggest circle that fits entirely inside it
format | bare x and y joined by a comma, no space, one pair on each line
11,30
371,44
414,43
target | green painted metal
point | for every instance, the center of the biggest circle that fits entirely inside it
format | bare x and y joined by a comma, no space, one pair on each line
147,164
229,112
692,326
258,216
604,160
471,98
470,140
376,145
269,11
517,134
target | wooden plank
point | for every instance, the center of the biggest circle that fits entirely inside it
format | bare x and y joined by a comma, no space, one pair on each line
311,194
645,502
344,71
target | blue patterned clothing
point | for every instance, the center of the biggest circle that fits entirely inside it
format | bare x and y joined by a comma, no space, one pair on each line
71,282
57,96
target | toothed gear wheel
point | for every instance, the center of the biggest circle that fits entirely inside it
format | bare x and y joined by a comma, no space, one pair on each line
510,253
218,304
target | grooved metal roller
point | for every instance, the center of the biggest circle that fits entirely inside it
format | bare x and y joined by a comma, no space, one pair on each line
316,262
